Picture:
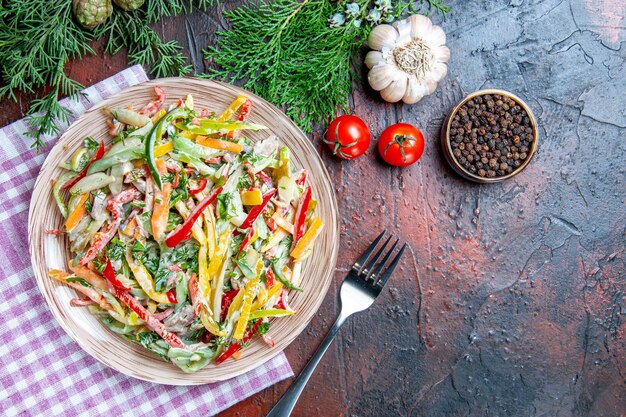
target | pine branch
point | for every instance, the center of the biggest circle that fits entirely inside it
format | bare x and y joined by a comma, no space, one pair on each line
38,37
286,51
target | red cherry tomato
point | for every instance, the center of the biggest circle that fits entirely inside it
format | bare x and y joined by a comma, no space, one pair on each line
401,144
348,137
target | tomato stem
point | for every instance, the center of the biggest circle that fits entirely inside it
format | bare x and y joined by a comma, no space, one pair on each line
338,147
400,140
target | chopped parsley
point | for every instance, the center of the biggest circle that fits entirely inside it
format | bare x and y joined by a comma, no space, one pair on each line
264,327
90,143
115,249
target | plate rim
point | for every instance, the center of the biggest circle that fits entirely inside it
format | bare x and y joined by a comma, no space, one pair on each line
34,256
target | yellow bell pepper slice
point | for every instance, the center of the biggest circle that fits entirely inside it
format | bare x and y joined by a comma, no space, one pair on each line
160,212
263,298
142,276
217,270
209,230
203,274
248,295
209,323
306,241
261,295
252,197
235,304
254,237
232,108
223,145
187,135
218,258
278,235
271,312
163,149
77,214
282,222
278,287
158,115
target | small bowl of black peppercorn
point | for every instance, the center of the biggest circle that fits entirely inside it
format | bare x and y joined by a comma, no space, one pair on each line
490,136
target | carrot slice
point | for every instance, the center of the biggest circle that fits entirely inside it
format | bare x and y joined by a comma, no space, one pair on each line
77,214
161,209
223,145
88,275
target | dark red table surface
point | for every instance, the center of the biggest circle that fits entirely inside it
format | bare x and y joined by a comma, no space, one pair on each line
512,298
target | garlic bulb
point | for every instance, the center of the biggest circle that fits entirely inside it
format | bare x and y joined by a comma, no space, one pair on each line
407,59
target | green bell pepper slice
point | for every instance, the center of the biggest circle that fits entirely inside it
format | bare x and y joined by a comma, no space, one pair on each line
155,137
203,168
208,127
122,156
56,191
279,276
271,312
192,149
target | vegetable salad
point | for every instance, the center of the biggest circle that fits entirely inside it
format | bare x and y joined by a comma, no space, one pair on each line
187,238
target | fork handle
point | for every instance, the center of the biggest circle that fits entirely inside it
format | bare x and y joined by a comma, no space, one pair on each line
286,404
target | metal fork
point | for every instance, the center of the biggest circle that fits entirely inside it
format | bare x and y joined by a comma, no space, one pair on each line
364,282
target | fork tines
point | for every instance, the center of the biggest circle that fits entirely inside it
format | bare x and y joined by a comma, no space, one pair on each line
370,269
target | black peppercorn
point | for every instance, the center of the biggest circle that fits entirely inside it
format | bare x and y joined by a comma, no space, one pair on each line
491,135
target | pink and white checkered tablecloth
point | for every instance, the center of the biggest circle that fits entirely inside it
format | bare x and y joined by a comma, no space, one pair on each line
42,370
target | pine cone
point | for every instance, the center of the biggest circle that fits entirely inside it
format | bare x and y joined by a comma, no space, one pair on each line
91,13
129,5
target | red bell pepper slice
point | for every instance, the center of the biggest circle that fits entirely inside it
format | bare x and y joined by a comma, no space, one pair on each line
227,299
171,295
109,274
271,223
301,179
246,242
202,182
152,323
270,279
183,230
99,154
236,346
281,302
194,295
303,207
110,230
256,211
265,178
245,110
